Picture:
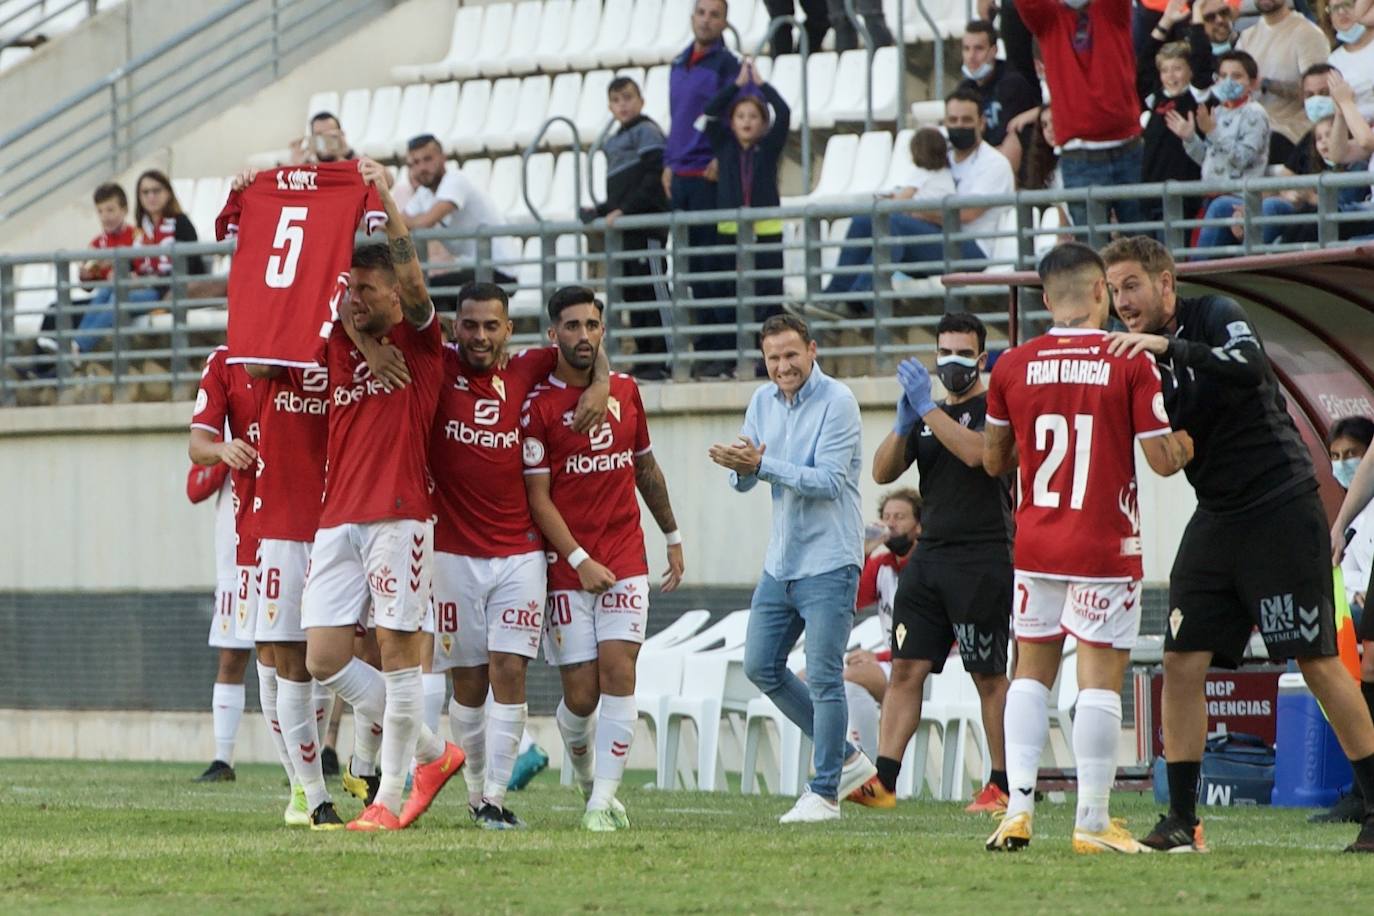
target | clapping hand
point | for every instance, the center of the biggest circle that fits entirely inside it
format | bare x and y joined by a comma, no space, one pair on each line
1183,128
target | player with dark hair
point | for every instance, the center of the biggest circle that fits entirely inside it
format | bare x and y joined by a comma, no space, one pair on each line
581,490
1257,550
1069,412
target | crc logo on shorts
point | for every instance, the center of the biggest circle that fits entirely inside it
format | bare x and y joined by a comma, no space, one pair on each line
603,437
528,617
533,452
486,412
382,582
624,601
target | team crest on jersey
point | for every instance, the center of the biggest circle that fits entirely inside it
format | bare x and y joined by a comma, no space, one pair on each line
272,612
202,400
1175,621
533,452
613,406
500,385
447,642
900,633
461,383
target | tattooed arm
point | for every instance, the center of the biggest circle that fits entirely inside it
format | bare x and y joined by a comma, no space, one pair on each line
654,488
415,302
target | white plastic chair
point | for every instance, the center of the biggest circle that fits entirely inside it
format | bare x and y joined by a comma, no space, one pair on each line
712,689
612,37
1063,696
899,164
498,133
488,57
410,120
34,290
655,91
688,623
522,54
474,102
820,87
538,179
441,112
204,207
847,103
504,184
377,140
592,111
872,158
789,764
532,108
786,79
752,23
549,53
577,50
325,101
954,709
930,113
354,111
462,46
564,98
560,203
641,34
837,167
674,31
477,171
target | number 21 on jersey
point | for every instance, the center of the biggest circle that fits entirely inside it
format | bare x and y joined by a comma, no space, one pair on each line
1052,435
286,248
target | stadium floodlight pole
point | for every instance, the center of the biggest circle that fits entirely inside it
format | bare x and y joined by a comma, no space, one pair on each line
534,147
804,49
861,26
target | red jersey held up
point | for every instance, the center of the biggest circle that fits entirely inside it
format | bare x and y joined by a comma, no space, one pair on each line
203,482
1076,412
474,455
226,396
592,475
293,433
378,440
295,228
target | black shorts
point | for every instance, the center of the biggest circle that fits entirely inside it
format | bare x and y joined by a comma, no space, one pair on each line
1365,631
1269,568
943,598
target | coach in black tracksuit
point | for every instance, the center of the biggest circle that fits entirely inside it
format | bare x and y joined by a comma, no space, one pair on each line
1257,552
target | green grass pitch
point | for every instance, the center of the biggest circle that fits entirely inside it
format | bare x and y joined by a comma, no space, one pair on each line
121,837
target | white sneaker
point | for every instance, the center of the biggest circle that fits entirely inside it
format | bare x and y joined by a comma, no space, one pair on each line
855,773
811,809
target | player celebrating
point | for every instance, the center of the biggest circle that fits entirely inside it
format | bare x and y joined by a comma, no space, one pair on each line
1072,412
376,537
581,492
1257,550
489,569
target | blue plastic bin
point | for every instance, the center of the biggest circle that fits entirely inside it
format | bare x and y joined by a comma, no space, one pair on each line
1310,769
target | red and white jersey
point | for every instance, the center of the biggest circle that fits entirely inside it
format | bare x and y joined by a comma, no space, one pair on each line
293,433
474,456
202,482
226,400
1076,412
592,474
379,440
295,227
878,585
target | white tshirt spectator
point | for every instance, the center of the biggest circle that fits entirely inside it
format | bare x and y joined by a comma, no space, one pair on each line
474,209
927,183
1355,55
1284,44
985,172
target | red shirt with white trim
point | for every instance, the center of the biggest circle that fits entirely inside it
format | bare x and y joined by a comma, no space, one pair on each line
592,475
226,400
126,237
1076,412
474,455
378,465
295,227
293,433
878,585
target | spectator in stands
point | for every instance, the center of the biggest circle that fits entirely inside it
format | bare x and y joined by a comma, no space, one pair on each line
748,145
1349,439
1232,139
1317,105
112,209
325,143
690,171
1004,93
448,199
1200,49
1284,45
1354,55
1166,85
1040,169
161,221
929,177
977,169
1089,64
634,185
1016,38
816,24
846,36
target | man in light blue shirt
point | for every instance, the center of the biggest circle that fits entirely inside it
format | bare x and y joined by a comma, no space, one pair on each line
802,436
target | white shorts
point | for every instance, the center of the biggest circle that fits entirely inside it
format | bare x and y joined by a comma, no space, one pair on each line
245,602
487,604
1105,614
283,567
386,563
577,621
223,631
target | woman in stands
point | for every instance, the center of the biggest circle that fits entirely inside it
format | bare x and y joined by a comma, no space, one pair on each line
158,215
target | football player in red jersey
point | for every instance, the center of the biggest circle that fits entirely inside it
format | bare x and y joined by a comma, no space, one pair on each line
376,537
1071,412
582,496
489,568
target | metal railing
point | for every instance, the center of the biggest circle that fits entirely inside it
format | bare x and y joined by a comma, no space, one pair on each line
871,304
20,22
218,61
533,148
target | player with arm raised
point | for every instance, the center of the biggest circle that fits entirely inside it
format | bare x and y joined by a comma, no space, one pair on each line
376,537
489,567
1073,412
582,496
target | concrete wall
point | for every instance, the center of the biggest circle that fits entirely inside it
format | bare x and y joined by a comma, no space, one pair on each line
93,496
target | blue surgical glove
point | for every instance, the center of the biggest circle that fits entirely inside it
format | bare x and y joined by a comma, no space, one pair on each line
915,382
907,417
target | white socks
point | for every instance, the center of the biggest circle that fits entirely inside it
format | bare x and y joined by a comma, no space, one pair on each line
267,699
296,712
226,705
362,687
577,737
1027,728
436,691
526,741
863,718
1096,732
505,724
468,724
401,724
615,732
323,699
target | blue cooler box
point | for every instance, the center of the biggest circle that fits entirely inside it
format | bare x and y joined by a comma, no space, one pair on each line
1310,770
1237,769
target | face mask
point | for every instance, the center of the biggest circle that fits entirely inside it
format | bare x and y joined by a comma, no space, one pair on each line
1352,34
899,544
980,73
1228,90
1330,163
962,138
1344,471
1076,4
957,373
1220,49
1318,107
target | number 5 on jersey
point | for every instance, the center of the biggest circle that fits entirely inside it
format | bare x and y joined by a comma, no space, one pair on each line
286,248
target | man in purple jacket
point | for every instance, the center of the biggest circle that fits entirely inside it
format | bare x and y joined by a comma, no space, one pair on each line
689,174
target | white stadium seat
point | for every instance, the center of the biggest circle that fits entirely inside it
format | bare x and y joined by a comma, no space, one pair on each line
185,190
529,276
573,49
462,46
560,204
642,31
655,91
532,108
491,47
474,102
750,18
592,111
820,86
914,27
871,161
900,162
597,189
410,120
320,101
847,103
674,29
477,171
612,38
522,53
538,175
563,100
441,111
501,115
377,140
786,79
634,73
504,185
549,47
205,205
929,113
353,112
837,168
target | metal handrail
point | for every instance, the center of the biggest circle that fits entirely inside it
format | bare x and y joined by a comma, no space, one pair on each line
899,39
592,150
534,148
861,27
804,49
939,47
42,5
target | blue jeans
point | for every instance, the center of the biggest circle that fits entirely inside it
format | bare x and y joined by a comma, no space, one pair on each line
823,607
1104,168
862,227
99,314
1224,207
